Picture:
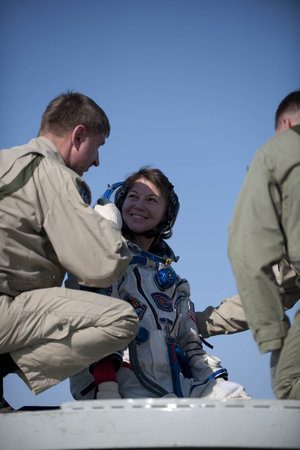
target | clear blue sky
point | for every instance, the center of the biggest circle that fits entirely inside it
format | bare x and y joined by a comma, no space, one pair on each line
191,87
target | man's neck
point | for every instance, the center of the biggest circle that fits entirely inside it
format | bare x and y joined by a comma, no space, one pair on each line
62,143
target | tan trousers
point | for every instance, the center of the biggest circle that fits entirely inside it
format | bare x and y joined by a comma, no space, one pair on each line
54,333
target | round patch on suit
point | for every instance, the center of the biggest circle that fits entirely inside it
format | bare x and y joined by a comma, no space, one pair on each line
162,301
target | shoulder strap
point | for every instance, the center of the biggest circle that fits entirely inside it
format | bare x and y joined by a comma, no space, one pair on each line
21,179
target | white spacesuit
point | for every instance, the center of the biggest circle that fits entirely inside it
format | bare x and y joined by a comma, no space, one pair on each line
166,358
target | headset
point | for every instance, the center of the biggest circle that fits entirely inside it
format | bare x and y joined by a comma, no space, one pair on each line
111,188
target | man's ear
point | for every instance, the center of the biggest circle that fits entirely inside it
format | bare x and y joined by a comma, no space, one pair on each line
287,123
78,136
284,124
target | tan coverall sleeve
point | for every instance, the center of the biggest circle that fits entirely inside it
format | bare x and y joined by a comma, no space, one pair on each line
287,278
229,317
87,245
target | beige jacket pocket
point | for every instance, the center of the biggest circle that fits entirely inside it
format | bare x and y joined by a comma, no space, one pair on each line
55,327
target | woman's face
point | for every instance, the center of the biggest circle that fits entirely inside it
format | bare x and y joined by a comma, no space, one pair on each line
144,206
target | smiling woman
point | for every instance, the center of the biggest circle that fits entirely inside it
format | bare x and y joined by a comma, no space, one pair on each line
143,209
166,358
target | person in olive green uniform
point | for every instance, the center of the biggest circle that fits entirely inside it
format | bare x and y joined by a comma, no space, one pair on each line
264,229
229,317
48,333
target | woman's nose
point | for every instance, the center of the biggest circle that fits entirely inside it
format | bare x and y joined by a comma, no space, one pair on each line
139,203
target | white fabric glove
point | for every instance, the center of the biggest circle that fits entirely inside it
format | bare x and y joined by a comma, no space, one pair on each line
219,389
109,211
229,389
108,389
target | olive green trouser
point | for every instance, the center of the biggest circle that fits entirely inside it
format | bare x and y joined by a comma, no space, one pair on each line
287,378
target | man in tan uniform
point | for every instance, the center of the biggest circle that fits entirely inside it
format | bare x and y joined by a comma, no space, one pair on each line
230,316
48,333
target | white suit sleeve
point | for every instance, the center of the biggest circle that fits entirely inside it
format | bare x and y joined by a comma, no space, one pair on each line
203,365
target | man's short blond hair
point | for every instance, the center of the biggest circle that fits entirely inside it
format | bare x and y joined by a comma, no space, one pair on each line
68,110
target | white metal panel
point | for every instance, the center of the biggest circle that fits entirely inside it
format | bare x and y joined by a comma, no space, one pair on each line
155,423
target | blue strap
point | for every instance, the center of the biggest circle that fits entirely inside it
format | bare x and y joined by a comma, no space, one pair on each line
148,255
139,260
222,373
175,367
